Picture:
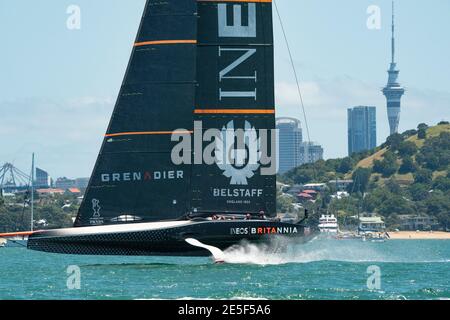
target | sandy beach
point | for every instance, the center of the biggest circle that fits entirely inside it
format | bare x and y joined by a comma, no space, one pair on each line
423,235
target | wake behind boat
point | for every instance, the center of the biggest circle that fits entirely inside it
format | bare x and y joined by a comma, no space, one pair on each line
189,151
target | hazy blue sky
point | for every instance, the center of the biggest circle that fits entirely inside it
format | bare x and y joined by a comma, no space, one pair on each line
58,86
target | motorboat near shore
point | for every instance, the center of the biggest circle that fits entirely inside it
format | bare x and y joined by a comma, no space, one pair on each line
328,224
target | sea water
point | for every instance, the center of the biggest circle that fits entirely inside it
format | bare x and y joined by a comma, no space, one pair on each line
319,269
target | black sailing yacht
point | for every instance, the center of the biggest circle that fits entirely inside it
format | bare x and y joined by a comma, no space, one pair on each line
196,65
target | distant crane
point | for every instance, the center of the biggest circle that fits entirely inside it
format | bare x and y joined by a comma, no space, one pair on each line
13,178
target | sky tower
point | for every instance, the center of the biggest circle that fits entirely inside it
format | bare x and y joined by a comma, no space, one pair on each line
393,90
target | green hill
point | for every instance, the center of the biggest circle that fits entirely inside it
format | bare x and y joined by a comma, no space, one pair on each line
407,175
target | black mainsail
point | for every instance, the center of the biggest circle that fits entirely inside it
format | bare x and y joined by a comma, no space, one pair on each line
134,177
208,61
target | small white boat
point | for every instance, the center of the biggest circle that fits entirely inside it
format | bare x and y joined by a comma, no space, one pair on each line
3,243
374,237
328,224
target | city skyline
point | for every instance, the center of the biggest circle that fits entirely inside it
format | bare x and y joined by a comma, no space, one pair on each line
60,106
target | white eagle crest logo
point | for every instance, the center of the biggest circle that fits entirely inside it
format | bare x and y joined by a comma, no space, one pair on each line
238,164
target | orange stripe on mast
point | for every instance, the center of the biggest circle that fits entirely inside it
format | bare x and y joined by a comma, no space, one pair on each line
234,111
158,42
143,133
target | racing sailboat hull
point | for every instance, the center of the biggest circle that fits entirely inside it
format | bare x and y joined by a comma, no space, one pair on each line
160,238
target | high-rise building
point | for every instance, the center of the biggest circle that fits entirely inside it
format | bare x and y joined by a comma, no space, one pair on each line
42,179
393,90
362,129
310,152
64,183
289,141
293,152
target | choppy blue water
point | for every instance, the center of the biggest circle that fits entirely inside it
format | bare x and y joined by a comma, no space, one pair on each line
321,269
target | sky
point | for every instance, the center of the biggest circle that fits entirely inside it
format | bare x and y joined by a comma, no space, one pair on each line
58,86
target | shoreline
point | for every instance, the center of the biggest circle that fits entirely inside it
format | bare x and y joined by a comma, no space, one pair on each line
421,235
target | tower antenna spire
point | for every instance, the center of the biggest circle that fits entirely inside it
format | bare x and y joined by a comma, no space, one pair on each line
393,32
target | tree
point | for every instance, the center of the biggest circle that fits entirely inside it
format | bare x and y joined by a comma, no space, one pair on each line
388,166
378,166
422,126
394,141
408,166
303,175
393,186
433,163
444,220
346,165
395,204
373,200
438,205
361,178
407,148
284,203
435,153
443,123
409,133
419,191
14,218
332,164
386,203
422,134
389,200
54,215
442,183
424,176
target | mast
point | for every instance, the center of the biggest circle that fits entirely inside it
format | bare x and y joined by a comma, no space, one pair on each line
32,193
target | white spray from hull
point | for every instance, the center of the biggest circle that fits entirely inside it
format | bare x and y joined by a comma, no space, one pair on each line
218,255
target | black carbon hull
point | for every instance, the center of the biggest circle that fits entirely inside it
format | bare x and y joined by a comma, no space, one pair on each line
159,239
